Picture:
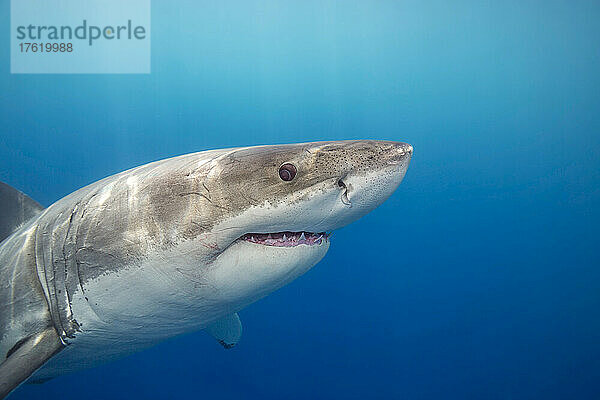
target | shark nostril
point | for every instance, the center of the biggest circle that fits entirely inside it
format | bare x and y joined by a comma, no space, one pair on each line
344,196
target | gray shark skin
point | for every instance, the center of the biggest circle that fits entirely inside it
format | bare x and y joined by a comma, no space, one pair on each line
173,246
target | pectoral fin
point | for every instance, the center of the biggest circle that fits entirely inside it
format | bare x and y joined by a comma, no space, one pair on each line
26,357
227,330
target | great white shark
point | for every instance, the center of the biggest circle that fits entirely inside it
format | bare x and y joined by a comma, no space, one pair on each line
173,246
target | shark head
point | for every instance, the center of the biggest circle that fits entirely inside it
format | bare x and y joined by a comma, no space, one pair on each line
178,243
182,244
273,208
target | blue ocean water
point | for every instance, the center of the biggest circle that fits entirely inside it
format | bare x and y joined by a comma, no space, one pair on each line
478,279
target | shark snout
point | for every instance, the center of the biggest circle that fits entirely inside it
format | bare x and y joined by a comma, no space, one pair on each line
376,165
400,158
404,150
372,172
395,153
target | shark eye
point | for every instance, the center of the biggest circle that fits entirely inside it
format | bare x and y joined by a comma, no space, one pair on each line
287,172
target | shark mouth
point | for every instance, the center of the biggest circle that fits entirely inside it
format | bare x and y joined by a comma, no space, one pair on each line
286,239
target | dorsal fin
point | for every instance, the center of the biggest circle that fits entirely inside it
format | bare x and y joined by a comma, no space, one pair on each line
15,209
